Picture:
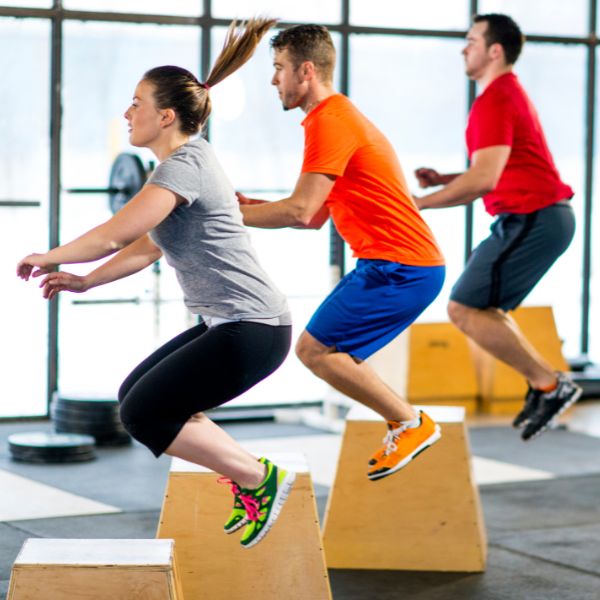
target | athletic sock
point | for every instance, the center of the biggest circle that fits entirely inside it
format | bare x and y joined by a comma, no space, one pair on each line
548,388
413,423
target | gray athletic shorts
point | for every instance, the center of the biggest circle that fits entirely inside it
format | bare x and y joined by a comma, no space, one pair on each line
506,266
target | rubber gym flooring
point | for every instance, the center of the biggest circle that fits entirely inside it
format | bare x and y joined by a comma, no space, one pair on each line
541,503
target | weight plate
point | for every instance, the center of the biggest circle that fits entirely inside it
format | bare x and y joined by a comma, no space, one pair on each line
54,459
39,439
103,438
62,426
84,417
44,447
127,175
87,402
49,452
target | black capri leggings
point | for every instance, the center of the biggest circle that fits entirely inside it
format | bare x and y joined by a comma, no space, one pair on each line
199,369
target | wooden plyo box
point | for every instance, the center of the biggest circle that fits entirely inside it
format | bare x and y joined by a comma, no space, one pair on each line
430,363
426,517
66,569
502,388
289,563
441,369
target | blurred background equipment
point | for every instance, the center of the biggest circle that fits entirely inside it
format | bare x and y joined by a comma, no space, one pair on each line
43,447
126,179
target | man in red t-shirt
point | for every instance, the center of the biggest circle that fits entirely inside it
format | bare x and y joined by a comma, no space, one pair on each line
512,168
351,173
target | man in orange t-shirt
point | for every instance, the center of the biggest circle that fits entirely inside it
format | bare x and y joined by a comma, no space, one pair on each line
351,173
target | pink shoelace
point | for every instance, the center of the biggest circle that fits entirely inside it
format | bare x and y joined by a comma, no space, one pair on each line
250,504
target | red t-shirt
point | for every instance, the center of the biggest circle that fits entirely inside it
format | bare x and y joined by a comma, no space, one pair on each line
370,203
503,115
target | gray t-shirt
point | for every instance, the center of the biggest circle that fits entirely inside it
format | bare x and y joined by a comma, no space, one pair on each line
207,244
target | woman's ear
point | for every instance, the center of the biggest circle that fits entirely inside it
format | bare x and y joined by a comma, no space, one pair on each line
167,117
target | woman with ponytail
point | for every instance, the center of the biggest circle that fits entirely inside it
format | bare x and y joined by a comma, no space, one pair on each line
188,212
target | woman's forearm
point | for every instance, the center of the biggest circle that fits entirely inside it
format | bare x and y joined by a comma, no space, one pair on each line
130,260
88,247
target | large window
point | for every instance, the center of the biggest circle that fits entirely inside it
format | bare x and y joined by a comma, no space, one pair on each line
426,14
400,62
594,325
24,171
538,69
288,10
191,8
424,125
107,331
260,147
544,17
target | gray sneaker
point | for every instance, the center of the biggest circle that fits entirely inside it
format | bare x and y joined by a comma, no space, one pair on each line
551,405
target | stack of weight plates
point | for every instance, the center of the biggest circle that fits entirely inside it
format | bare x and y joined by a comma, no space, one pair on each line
98,418
42,447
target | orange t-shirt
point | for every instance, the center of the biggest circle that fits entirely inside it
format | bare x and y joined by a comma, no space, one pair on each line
370,203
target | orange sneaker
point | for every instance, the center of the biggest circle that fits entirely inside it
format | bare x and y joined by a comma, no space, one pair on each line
380,454
402,444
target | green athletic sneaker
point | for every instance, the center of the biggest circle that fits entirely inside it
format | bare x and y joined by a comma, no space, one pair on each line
237,518
263,504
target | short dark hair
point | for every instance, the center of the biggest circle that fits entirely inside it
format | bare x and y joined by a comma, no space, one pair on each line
308,42
501,29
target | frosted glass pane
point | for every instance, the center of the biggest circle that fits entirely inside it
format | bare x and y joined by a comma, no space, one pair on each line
27,3
540,66
551,17
423,117
594,329
24,188
127,319
307,11
186,8
260,146
407,14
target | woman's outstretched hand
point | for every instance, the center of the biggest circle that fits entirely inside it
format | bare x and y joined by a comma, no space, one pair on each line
61,281
34,265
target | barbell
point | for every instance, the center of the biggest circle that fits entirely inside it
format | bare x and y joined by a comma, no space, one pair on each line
126,179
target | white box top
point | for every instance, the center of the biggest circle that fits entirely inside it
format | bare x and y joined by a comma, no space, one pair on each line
440,414
43,551
290,461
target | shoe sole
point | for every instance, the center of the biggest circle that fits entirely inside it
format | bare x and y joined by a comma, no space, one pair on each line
280,498
236,527
521,425
432,439
564,407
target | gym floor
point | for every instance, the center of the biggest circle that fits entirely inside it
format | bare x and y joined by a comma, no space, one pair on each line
541,503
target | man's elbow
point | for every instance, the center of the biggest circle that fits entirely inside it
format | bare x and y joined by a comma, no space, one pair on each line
303,218
485,188
486,183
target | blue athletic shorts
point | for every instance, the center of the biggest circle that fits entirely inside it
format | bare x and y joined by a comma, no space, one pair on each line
373,304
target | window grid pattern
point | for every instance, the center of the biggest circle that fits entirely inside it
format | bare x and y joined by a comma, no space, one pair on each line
346,27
